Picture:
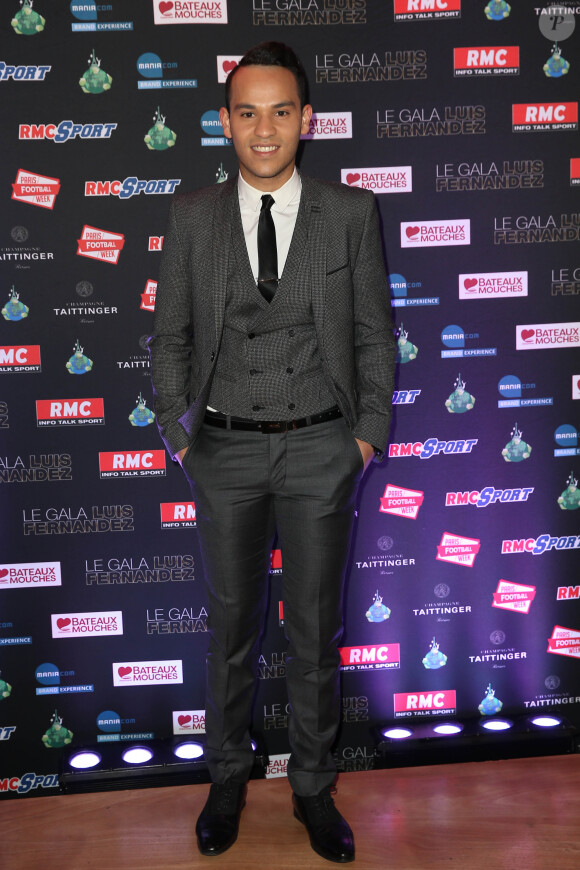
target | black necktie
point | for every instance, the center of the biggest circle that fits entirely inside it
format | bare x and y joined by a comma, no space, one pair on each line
267,254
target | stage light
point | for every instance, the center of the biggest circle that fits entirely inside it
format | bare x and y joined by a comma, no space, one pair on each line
188,750
447,728
496,724
546,721
137,755
84,760
397,733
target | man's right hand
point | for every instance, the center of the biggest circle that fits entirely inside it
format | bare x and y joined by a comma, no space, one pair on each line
180,454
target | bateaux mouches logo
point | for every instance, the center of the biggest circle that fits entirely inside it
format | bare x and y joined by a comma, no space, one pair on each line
513,596
97,624
434,234
30,575
70,412
100,245
542,336
35,189
178,515
543,117
487,60
329,125
225,64
188,721
64,131
20,358
458,549
132,463
380,179
147,673
373,657
564,642
441,703
190,11
421,10
401,502
87,12
493,285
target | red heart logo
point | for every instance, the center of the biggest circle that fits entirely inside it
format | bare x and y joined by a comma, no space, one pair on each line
124,672
229,65
165,6
63,623
412,231
352,177
3,574
184,720
527,333
469,283
578,384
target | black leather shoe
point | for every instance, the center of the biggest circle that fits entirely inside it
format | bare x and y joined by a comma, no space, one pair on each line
217,825
330,834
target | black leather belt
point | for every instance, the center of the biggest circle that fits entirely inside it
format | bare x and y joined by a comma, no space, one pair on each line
269,427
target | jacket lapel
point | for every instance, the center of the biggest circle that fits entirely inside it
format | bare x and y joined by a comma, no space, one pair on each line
223,220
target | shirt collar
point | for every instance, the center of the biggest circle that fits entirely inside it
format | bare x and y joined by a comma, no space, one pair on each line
251,198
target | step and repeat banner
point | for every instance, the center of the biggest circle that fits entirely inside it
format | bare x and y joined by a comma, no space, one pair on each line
463,596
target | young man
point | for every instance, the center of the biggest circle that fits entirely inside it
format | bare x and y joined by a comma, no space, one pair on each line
272,355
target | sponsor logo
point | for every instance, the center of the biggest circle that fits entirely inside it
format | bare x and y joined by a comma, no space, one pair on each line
565,282
49,677
374,657
493,285
225,64
177,620
276,561
28,781
443,612
178,515
457,549
575,388
568,593
73,521
514,596
7,731
454,337
153,71
131,186
542,544
51,466
155,243
65,131
23,254
399,288
564,642
435,234
190,11
380,179
529,230
212,127
147,673
431,447
23,73
488,495
405,397
507,175
540,117
440,703
86,13
376,67
566,435
69,412
20,358
302,12
401,502
86,312
136,571
489,60
132,463
35,189
148,296
188,721
277,764
329,125
100,244
574,171
539,336
96,624
419,122
419,10
109,724
512,387
30,575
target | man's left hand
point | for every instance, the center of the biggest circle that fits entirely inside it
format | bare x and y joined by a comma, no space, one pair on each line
367,450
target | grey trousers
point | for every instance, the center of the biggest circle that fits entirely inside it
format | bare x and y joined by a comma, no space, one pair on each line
247,485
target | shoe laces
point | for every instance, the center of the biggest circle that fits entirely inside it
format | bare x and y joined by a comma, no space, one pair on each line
320,808
224,798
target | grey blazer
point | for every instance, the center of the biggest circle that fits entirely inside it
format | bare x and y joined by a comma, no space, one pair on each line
335,253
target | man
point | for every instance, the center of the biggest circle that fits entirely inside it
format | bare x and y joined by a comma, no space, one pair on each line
272,357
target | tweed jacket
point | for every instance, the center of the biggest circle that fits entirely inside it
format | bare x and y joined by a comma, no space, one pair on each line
335,254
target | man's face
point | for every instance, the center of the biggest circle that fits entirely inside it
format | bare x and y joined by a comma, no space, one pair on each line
265,122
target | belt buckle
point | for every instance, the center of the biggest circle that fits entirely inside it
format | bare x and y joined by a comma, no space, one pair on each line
272,427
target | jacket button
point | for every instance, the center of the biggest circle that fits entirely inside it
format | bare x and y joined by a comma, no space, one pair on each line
255,407
212,357
291,406
289,370
251,335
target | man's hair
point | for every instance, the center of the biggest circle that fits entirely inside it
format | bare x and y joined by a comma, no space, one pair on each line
272,54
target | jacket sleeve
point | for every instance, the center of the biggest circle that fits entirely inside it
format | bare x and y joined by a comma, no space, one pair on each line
171,341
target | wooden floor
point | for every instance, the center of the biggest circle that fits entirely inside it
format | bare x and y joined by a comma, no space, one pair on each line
521,814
